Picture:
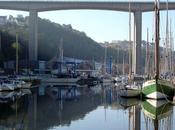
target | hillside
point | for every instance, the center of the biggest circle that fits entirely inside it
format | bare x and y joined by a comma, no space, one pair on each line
76,44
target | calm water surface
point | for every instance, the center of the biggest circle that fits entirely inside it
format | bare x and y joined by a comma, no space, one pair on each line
81,108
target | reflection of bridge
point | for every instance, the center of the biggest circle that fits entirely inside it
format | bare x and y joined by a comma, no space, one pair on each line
37,6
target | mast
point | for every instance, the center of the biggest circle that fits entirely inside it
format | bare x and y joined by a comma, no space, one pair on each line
105,58
172,49
61,50
130,44
167,43
17,53
123,67
147,54
59,55
157,18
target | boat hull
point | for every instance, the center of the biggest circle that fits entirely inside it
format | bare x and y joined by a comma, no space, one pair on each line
160,90
129,92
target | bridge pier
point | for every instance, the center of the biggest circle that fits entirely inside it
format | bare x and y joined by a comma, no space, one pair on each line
136,51
33,35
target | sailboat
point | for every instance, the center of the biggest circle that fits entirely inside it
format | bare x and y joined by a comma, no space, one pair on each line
132,89
157,88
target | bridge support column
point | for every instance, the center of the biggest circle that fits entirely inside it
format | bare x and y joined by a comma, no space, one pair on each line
136,53
33,35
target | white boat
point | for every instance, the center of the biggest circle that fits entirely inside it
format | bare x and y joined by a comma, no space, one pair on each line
12,84
130,91
7,86
19,83
6,96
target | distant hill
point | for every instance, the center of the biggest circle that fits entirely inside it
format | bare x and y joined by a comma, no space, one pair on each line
76,44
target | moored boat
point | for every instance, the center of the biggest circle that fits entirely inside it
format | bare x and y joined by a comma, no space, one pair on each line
158,90
130,91
7,85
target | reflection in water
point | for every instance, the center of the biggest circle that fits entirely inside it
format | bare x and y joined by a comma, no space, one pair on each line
158,114
72,107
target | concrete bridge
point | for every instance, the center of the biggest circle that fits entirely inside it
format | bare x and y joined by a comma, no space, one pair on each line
33,7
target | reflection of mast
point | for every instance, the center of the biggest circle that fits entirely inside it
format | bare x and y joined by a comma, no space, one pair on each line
35,110
156,126
104,101
105,114
129,117
136,122
60,111
16,111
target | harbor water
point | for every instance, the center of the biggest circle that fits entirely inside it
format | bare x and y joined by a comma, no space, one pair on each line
82,108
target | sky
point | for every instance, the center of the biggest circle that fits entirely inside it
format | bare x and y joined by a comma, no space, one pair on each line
103,25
